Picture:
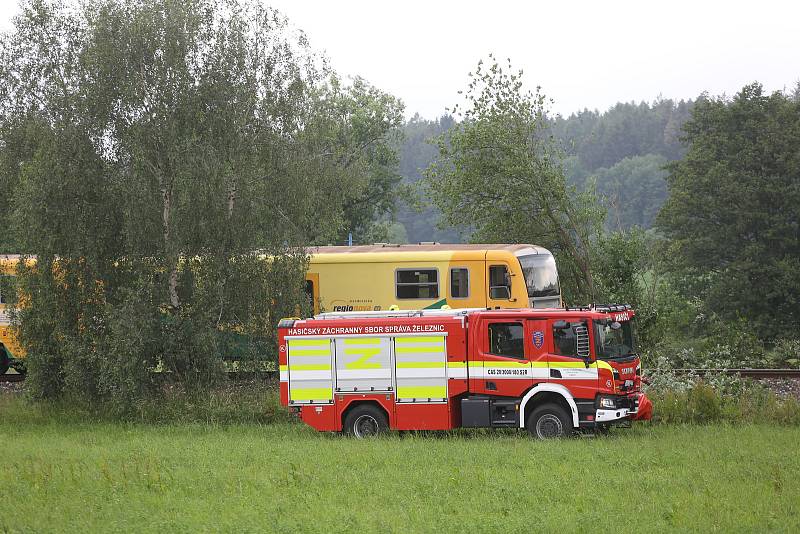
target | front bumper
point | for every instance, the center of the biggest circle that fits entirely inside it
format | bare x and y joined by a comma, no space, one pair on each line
635,407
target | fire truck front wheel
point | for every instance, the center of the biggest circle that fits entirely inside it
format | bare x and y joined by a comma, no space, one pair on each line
549,421
365,420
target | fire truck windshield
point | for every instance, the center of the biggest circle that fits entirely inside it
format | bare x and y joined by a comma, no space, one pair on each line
611,343
541,275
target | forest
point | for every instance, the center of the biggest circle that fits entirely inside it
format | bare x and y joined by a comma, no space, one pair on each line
621,152
153,152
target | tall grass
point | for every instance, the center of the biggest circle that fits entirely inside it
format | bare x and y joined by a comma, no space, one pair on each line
69,473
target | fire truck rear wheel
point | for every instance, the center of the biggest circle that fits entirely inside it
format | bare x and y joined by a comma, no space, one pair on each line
365,421
549,421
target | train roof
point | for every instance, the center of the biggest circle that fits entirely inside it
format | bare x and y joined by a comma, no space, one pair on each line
424,247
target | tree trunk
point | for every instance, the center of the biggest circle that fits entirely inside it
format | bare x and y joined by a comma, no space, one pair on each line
172,258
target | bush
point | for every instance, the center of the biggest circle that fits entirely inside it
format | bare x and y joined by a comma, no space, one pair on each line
703,403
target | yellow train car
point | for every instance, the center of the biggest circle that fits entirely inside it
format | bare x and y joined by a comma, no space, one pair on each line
428,276
10,351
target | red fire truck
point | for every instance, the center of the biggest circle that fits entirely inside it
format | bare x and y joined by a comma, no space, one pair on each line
552,371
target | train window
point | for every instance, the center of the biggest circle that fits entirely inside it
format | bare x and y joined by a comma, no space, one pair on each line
499,283
459,283
417,283
506,339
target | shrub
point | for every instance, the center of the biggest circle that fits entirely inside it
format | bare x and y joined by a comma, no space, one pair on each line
703,404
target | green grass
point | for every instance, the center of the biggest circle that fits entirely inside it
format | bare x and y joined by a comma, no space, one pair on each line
66,474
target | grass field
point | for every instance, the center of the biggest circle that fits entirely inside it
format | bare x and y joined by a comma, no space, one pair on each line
76,476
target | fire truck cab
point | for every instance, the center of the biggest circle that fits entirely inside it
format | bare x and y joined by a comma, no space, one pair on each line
552,371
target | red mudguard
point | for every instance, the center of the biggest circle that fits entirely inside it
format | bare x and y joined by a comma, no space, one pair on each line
645,409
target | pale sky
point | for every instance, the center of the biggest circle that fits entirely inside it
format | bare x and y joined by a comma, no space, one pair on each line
583,53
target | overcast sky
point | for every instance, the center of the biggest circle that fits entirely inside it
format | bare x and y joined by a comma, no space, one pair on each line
583,53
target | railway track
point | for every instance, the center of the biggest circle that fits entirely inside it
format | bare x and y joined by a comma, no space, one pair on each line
749,373
12,377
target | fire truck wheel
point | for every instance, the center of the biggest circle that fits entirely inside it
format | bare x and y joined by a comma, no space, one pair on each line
365,421
549,421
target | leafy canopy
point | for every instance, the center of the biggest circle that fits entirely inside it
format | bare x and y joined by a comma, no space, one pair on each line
733,212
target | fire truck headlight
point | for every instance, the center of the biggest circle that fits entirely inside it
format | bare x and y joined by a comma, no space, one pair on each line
608,402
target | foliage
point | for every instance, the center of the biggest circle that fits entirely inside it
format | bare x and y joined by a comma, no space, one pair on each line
732,214
357,127
601,140
703,403
416,213
633,190
500,173
167,162
621,151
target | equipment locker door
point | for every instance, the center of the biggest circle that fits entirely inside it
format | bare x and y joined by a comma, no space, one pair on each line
421,368
363,364
310,370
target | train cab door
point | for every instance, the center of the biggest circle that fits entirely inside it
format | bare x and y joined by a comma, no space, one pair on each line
498,285
504,358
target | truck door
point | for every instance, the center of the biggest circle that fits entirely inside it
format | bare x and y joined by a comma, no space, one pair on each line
569,359
502,366
538,354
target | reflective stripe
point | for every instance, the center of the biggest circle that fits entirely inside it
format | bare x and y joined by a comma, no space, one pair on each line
309,352
361,374
283,367
520,365
421,365
418,339
310,367
325,342
405,373
422,392
417,350
305,375
602,364
362,341
307,394
363,362
457,369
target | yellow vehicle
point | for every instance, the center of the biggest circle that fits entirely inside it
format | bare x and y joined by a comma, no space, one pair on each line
11,353
376,277
426,276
